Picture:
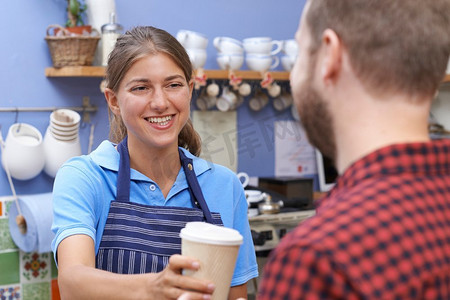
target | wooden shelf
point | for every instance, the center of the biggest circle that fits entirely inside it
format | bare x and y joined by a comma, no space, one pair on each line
79,71
98,71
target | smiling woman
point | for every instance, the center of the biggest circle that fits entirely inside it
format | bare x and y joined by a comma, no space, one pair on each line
120,209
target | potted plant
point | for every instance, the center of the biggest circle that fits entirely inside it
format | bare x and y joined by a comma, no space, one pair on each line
70,45
75,13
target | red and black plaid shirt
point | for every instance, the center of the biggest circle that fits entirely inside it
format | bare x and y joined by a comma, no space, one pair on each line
382,233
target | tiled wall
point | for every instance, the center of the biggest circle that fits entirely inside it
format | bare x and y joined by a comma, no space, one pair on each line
27,276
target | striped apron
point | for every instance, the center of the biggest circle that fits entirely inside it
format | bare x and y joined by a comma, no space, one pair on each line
140,238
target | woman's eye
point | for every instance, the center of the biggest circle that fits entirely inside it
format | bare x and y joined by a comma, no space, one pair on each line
175,85
138,88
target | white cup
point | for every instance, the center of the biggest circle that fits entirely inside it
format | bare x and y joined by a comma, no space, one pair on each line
205,102
23,153
230,61
228,45
258,101
216,248
262,45
227,101
282,102
245,89
274,90
288,62
261,63
192,40
290,47
197,57
213,89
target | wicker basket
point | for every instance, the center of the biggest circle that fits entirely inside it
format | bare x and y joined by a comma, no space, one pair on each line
67,50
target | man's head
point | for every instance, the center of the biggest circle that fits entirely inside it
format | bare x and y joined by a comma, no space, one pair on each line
393,47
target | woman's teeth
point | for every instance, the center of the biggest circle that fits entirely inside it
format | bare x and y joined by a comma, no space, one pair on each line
160,120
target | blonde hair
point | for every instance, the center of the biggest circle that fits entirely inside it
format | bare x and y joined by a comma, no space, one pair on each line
132,46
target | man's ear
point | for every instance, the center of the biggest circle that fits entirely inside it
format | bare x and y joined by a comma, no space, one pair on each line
331,64
112,101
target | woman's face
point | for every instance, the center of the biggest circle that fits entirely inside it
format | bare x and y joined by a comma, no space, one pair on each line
154,101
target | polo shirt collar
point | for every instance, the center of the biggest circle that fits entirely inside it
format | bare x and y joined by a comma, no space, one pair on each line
107,156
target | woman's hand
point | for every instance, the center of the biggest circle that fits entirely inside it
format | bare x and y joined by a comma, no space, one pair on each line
171,284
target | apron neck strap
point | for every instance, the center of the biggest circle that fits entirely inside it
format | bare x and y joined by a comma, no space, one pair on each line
193,185
123,179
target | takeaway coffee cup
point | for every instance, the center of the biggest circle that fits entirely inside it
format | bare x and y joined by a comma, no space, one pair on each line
216,248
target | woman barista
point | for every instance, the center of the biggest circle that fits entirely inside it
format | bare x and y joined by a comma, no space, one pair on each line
118,210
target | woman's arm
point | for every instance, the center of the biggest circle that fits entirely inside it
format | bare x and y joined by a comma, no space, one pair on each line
239,291
79,279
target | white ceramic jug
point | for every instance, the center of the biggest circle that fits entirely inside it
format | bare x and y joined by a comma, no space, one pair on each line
23,152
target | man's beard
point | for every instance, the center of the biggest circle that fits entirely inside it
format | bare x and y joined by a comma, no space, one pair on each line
315,115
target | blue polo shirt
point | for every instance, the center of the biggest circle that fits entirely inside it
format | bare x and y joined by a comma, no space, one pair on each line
85,186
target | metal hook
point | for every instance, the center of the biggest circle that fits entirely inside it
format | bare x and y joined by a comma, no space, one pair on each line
16,120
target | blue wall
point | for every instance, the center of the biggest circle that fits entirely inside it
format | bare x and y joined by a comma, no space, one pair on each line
24,56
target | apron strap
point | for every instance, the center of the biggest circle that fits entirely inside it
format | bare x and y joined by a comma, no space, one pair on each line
123,177
194,187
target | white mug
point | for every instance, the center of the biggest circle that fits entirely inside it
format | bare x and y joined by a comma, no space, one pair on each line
282,102
274,90
230,61
288,62
261,63
197,57
23,153
213,89
205,102
228,45
290,47
262,45
258,101
245,89
192,40
227,101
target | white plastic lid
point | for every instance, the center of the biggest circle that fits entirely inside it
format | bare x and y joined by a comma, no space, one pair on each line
203,232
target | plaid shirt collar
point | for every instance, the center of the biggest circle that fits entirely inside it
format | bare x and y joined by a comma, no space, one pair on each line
429,158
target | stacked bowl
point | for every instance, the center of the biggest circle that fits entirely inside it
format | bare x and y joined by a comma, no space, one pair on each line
61,140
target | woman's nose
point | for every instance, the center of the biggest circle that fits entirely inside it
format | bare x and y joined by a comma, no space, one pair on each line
159,101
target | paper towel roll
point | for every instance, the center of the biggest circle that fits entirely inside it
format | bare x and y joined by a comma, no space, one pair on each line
38,213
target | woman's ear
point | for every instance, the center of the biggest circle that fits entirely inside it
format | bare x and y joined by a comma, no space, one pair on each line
112,101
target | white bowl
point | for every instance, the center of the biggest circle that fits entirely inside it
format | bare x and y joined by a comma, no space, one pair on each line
65,118
58,151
